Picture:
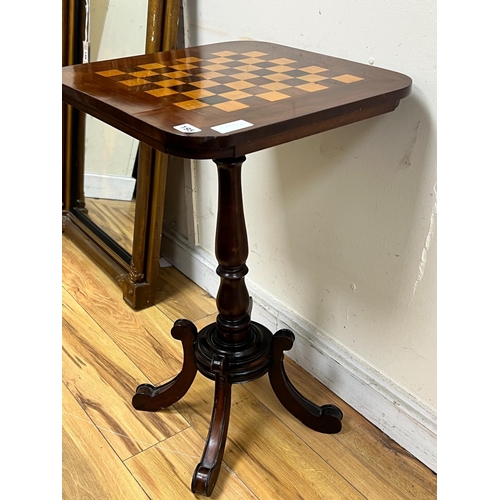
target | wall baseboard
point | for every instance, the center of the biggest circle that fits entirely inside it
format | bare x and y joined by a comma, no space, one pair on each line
110,187
389,407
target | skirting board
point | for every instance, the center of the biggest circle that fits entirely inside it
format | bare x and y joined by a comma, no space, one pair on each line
383,403
109,187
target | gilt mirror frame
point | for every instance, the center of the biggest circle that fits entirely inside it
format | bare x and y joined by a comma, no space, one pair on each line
136,272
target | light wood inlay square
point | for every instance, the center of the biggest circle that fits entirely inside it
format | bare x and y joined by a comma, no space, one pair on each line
254,53
247,68
111,72
196,94
169,83
189,59
235,95
152,66
224,53
244,76
176,74
273,96
311,87
347,78
313,69
181,67
161,92
134,82
281,69
278,77
282,60
189,105
252,60
239,85
144,73
219,60
230,106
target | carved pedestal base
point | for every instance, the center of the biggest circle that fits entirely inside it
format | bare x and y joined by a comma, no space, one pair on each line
226,367
234,349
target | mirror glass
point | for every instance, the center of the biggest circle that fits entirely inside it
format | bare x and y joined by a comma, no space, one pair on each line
115,29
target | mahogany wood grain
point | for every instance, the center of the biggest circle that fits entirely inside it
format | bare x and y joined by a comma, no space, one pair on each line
207,471
150,398
326,418
244,344
151,119
231,251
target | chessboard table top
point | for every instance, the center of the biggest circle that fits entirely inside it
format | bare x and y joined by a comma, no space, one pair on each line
232,98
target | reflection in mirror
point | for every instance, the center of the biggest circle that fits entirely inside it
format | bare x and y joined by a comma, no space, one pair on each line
115,218
116,29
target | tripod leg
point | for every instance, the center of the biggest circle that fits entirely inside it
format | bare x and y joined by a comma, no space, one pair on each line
150,398
207,471
326,418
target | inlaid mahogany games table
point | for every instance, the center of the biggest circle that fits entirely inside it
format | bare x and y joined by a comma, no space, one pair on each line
221,102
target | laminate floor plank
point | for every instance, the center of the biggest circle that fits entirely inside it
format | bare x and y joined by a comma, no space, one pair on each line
91,469
143,335
108,349
178,297
361,453
103,380
263,452
207,320
165,470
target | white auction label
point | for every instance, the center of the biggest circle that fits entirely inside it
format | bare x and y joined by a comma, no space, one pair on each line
232,126
187,129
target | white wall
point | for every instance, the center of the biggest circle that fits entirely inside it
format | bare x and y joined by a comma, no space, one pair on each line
342,225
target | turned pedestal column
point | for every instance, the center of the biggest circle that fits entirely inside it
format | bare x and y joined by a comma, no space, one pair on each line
234,349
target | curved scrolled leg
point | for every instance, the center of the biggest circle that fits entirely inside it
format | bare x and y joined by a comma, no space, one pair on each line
207,471
150,398
326,418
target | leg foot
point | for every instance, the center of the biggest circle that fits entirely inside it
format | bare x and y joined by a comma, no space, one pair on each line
207,471
326,418
151,398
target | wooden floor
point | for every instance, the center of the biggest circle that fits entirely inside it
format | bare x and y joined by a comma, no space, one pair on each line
111,451
114,217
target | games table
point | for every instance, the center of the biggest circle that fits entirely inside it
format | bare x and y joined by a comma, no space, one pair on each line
221,102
